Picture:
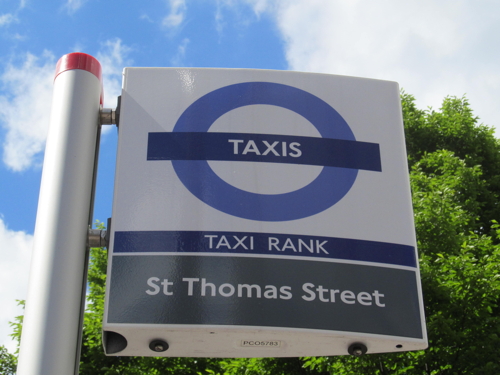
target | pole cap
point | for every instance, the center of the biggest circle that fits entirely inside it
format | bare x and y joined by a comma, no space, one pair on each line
81,61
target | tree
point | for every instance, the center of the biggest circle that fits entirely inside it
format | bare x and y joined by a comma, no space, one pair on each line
455,128
8,362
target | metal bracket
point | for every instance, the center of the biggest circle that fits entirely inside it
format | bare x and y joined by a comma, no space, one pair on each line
107,116
97,238
110,116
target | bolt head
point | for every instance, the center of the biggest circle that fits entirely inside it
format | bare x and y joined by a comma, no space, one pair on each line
357,352
158,346
357,349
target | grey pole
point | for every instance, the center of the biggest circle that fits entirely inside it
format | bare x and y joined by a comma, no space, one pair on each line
51,327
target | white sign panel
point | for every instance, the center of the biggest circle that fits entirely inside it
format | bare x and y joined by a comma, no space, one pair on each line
261,213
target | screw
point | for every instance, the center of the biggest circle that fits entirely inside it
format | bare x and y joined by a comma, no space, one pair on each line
158,346
357,352
357,349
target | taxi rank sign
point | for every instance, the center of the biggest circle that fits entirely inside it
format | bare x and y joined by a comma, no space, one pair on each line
261,213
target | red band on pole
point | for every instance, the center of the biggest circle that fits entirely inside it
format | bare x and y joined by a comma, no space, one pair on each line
82,61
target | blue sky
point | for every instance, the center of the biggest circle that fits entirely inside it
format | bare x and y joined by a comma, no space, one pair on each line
432,48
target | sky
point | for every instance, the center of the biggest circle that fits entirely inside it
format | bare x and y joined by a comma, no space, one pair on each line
433,49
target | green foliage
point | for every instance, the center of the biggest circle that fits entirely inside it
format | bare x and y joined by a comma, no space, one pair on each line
454,176
17,326
267,366
8,362
455,128
445,193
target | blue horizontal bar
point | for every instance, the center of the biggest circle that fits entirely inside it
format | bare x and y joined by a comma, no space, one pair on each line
266,148
264,243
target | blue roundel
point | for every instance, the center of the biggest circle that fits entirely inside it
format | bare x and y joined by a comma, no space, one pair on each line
327,189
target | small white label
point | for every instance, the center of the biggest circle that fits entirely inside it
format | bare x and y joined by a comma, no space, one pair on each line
261,343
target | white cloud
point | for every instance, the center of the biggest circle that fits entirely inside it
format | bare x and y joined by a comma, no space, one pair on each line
261,6
146,17
178,59
219,18
113,58
6,19
432,48
72,6
242,17
176,15
27,97
15,252
25,109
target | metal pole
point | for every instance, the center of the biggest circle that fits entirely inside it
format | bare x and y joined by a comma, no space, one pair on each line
49,341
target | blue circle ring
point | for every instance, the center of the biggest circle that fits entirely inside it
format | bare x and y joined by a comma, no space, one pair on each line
329,187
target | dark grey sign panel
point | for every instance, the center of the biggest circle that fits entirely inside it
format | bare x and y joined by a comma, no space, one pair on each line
150,289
